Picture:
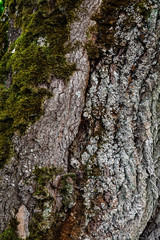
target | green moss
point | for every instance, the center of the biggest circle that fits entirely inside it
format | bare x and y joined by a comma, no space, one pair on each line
36,56
10,232
1,6
46,222
42,177
92,50
3,37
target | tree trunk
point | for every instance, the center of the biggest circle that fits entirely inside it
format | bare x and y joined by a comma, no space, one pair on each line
79,120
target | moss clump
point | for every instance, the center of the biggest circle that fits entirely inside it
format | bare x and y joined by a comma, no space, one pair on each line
10,232
47,221
3,37
43,176
36,56
1,6
38,227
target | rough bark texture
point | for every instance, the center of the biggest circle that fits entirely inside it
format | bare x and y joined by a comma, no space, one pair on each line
97,142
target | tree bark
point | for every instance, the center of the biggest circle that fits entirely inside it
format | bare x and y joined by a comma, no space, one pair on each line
88,167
